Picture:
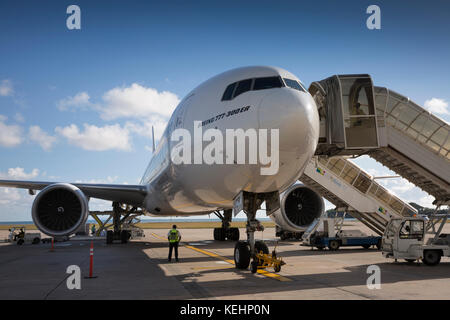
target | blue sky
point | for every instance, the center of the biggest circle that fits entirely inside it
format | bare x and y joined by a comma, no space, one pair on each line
63,92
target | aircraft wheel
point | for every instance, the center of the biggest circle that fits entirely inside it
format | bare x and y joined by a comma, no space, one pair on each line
241,255
254,266
234,234
124,236
219,234
109,236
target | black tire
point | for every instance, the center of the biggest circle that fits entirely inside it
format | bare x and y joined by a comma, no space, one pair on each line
254,266
334,245
219,234
379,245
366,246
261,246
124,236
320,247
241,255
431,257
283,236
234,234
36,241
109,237
20,242
410,260
277,268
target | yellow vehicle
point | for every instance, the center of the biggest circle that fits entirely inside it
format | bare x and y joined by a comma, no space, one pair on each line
264,260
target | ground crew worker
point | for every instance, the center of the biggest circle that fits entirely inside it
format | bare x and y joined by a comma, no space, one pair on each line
174,237
93,230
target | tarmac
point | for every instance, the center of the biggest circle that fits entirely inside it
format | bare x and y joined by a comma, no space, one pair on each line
140,270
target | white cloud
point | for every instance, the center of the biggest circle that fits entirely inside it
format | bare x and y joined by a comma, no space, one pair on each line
109,179
16,198
9,196
6,88
36,134
10,135
19,174
137,101
80,100
436,105
426,201
147,106
145,128
400,185
93,138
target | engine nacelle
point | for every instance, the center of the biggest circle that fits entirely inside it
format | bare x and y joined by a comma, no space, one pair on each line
60,209
299,206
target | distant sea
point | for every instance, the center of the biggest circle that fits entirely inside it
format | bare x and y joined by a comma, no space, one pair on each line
147,220
150,220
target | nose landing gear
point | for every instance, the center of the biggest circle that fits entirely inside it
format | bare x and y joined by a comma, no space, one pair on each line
244,251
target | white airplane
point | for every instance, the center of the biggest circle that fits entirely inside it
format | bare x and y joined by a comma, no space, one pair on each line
245,98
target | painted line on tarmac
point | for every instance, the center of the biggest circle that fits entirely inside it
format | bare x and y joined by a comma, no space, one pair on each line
215,255
213,268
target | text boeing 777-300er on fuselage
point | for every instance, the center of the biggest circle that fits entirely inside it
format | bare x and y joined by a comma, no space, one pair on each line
262,99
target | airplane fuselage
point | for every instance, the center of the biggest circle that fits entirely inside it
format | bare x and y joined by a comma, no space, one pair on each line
197,188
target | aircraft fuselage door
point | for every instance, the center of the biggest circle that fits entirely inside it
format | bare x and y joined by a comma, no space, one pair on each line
358,112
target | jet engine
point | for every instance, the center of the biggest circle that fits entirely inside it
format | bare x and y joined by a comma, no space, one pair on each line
60,209
299,206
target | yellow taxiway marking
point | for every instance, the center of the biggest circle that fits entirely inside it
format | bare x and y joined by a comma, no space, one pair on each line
215,255
157,236
211,254
212,268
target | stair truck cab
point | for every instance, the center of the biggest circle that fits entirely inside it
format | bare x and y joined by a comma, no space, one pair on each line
416,238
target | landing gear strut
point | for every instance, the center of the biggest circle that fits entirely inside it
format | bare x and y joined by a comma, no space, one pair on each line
225,232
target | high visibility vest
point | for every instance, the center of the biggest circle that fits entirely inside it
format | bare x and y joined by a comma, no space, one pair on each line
174,236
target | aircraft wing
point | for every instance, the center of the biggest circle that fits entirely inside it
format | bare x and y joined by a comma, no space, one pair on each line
123,193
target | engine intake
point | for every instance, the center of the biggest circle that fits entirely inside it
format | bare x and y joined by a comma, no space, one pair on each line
299,206
60,209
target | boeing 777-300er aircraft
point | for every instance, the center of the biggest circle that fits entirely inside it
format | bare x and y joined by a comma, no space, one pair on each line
248,98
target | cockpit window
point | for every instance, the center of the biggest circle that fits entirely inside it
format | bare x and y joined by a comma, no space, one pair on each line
228,94
293,84
243,86
267,83
237,88
303,86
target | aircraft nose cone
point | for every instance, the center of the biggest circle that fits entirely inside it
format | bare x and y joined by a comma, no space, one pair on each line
295,115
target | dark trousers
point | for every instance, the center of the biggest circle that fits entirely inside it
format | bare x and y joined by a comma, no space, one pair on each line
173,245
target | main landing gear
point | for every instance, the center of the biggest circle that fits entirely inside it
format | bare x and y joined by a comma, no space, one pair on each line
118,233
225,232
